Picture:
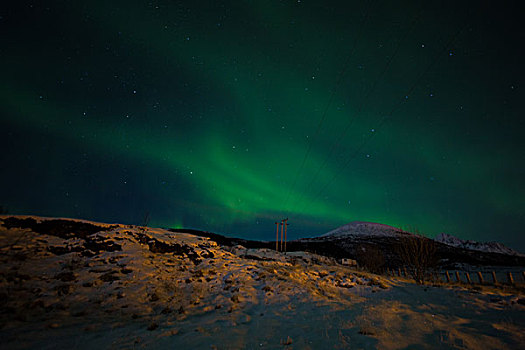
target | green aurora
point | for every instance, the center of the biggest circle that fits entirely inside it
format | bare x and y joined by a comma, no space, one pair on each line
228,116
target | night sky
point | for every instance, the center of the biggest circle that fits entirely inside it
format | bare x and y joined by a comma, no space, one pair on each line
227,115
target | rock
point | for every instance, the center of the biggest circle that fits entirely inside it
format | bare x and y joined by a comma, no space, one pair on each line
109,277
65,276
267,289
166,311
154,297
63,289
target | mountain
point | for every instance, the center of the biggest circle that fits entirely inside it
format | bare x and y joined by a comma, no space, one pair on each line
345,242
491,247
349,240
362,228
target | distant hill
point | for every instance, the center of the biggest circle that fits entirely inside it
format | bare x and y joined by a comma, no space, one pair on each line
361,228
491,247
345,241
342,242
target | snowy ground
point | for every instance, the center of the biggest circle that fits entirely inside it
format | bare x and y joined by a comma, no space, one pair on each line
134,287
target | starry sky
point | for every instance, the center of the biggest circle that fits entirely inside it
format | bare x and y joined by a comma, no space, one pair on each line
229,115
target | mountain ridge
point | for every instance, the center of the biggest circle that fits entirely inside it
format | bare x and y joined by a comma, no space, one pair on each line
491,247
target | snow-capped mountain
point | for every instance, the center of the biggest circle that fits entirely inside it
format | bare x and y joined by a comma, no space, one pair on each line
361,228
491,247
346,240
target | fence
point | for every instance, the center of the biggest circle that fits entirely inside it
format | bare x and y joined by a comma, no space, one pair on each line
471,277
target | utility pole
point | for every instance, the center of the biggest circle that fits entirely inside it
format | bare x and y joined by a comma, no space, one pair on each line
277,237
285,225
282,226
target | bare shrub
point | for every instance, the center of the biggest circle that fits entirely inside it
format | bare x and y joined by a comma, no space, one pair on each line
418,254
371,258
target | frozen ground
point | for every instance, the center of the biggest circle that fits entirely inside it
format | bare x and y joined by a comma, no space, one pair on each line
64,285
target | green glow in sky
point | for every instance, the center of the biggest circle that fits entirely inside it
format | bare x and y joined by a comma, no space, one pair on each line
201,113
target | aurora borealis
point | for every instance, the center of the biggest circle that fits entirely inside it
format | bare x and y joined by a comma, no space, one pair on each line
226,115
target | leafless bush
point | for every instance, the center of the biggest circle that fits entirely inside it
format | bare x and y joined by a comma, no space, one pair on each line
418,254
371,258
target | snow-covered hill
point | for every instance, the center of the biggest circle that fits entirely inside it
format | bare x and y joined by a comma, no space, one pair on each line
491,247
68,283
56,274
361,228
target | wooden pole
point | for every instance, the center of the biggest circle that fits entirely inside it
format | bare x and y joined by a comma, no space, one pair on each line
458,279
510,278
448,276
480,277
285,226
277,237
494,279
282,225
468,278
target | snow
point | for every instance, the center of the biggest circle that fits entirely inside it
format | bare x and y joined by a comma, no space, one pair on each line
491,247
361,228
130,286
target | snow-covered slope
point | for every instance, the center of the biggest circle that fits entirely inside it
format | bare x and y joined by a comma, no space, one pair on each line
361,228
68,284
491,247
57,273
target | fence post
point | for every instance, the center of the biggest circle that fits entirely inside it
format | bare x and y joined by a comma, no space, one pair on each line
509,278
399,271
494,279
480,277
405,271
458,279
468,278
448,276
